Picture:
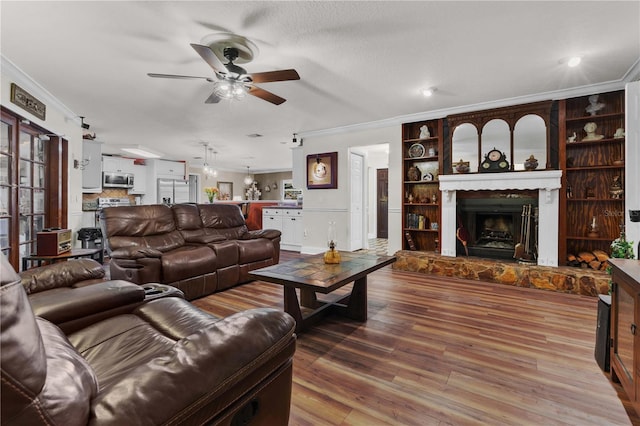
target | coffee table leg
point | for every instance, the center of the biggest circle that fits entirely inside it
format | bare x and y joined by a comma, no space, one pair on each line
292,307
308,298
357,305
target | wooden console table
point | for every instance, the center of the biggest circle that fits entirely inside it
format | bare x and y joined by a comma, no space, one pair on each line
95,253
625,320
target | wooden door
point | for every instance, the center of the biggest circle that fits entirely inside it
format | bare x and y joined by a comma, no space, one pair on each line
382,203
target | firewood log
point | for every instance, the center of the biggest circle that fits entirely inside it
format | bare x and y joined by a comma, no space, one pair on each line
586,256
601,255
595,265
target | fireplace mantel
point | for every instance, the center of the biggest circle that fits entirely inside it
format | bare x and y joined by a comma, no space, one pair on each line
547,182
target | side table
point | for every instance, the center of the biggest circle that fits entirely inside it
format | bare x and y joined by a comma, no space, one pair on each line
94,253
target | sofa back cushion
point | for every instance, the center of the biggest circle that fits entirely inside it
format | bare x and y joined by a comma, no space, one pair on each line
44,379
140,226
223,219
188,222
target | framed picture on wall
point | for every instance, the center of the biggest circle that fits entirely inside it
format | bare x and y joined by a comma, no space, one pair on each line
226,190
322,171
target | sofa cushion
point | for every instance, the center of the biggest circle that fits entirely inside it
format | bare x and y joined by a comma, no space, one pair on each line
255,250
186,262
140,226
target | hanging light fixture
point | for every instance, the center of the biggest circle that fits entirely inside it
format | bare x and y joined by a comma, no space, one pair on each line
248,179
207,170
214,172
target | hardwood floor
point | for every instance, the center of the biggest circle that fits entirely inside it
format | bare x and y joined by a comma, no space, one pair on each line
446,351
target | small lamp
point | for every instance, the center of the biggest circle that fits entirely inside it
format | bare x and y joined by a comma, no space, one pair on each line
332,256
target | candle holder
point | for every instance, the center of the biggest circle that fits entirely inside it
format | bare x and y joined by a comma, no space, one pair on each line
594,230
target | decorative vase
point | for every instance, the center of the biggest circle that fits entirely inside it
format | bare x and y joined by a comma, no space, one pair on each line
531,163
211,199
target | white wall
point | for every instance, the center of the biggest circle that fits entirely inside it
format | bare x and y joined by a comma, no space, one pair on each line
632,162
324,205
59,120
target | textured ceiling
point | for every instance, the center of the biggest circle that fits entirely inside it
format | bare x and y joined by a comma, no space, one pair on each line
358,61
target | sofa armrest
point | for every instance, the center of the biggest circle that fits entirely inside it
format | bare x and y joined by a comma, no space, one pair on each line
61,274
204,372
65,304
262,233
135,253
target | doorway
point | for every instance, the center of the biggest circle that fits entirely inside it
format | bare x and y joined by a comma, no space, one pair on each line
382,203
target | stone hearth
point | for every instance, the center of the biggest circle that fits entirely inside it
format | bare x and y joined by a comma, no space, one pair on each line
563,279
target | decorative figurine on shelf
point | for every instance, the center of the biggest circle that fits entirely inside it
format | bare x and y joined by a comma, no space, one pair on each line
572,138
414,173
410,198
594,106
590,129
589,191
531,163
332,256
434,198
594,231
619,134
424,132
615,189
462,166
569,191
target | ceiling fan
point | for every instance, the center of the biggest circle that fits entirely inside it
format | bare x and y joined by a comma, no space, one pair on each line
233,81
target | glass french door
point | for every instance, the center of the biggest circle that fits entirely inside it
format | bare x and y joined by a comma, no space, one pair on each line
23,184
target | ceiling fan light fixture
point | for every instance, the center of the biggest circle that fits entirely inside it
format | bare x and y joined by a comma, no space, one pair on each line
230,89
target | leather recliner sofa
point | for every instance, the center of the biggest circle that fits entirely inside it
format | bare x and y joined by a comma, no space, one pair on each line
198,248
162,361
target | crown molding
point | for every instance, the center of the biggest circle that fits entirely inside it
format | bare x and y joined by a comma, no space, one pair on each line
444,112
13,73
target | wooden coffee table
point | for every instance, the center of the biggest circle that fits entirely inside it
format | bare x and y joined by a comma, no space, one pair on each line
311,275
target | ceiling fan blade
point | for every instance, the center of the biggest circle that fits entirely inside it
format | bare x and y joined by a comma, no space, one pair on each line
267,96
209,79
209,57
282,75
213,99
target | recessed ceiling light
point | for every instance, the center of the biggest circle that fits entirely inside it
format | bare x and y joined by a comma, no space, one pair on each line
428,92
574,61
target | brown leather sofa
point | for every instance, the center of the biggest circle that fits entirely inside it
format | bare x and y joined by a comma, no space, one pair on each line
198,248
160,362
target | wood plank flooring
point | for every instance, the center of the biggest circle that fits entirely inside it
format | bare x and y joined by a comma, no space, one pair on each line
446,351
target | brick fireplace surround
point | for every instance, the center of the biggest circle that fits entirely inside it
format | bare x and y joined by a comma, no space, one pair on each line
545,275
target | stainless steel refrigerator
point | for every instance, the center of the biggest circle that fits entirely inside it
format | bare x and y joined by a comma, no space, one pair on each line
171,191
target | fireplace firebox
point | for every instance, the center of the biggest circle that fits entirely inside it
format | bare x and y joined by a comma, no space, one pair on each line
494,224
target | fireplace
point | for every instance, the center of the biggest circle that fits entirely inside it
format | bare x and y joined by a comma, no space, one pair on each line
545,184
493,221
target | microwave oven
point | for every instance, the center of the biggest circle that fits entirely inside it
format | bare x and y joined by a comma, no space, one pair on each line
117,180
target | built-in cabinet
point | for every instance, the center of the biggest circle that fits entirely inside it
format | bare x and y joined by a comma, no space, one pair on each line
91,166
287,221
171,169
625,319
422,145
592,156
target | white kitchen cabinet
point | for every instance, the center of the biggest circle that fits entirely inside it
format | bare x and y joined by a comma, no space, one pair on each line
292,228
171,169
139,179
287,221
115,164
272,219
92,169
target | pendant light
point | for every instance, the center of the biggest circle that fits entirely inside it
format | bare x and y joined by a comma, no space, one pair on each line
248,179
208,171
214,171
